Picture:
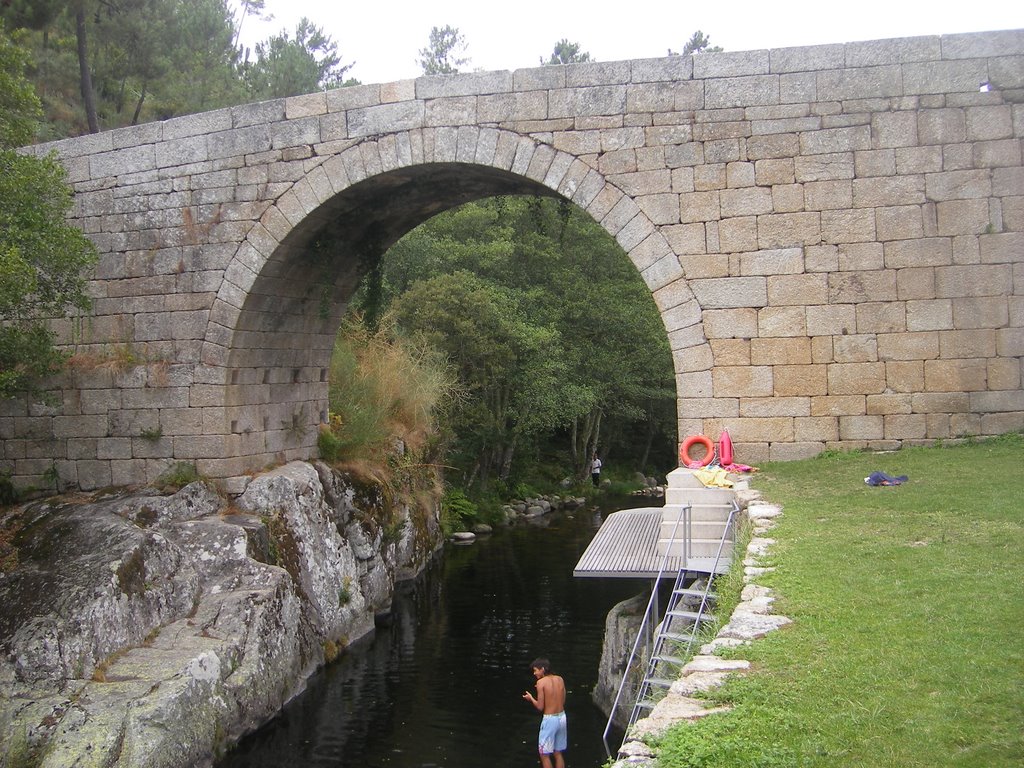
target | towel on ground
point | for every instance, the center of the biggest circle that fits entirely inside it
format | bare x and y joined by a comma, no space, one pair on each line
738,468
713,477
880,478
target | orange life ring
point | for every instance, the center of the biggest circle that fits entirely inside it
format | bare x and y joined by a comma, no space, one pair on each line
688,443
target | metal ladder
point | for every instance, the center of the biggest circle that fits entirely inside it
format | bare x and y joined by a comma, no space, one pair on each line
668,655
667,630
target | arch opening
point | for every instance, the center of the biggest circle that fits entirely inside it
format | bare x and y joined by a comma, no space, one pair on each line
286,328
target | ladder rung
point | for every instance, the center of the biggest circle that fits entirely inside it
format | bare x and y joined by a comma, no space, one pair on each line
675,636
670,659
646,704
686,615
694,593
661,682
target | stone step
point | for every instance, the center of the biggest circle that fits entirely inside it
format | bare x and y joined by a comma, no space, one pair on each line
660,682
677,660
691,616
718,512
698,495
698,547
688,592
681,477
677,636
699,529
706,564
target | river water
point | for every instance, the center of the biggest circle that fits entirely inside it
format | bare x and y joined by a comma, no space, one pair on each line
441,685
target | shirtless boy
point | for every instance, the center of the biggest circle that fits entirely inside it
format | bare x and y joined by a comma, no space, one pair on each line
550,701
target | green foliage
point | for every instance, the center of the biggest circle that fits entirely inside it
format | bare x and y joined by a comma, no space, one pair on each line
456,511
131,55
330,446
52,476
153,59
553,333
177,476
521,490
8,493
495,350
443,54
270,524
205,73
42,258
907,607
345,593
286,66
384,386
20,109
721,741
699,43
152,435
566,53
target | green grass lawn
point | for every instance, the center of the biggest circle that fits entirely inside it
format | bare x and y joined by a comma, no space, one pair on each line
907,647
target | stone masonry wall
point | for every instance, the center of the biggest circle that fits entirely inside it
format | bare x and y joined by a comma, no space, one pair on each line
834,236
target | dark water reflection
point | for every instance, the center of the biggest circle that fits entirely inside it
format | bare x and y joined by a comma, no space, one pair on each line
441,685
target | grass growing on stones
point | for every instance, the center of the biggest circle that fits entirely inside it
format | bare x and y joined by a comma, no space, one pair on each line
908,605
383,387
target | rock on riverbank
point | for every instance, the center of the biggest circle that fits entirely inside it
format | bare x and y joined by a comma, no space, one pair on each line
140,629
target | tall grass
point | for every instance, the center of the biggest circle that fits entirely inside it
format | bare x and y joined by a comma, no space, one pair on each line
908,607
384,387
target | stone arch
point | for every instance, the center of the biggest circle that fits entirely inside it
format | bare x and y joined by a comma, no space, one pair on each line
267,394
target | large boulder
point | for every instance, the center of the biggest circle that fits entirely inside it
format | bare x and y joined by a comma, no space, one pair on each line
620,630
92,579
154,630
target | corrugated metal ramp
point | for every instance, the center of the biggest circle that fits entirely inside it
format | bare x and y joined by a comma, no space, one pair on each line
626,547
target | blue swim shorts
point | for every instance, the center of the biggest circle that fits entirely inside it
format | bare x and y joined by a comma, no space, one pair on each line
552,733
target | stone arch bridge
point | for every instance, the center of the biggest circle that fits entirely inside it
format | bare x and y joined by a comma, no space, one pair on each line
834,236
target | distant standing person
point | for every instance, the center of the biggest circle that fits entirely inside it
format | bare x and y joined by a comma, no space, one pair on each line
595,470
550,702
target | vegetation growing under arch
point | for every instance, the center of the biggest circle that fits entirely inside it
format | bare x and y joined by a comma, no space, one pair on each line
384,388
554,336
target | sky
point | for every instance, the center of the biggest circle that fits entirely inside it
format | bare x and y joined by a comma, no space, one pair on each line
382,39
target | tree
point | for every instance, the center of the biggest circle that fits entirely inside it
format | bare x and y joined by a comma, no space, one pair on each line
443,55
566,53
133,42
40,16
598,367
289,67
698,43
140,60
41,256
19,105
255,8
204,73
510,367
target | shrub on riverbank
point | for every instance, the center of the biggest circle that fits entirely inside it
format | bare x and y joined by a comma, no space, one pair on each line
384,388
457,511
907,604
387,399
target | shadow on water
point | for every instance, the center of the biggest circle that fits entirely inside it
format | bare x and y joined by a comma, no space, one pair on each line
441,685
